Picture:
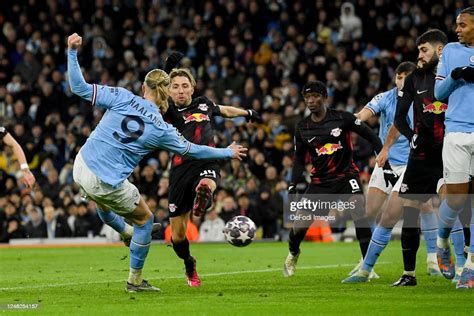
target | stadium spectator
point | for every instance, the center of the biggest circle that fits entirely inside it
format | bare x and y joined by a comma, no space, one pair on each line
212,227
11,224
56,223
229,209
36,226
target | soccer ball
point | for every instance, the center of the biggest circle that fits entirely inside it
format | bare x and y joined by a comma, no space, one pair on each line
240,231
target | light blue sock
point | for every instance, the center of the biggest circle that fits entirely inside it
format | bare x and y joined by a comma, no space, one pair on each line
112,219
447,216
457,238
379,241
429,228
140,244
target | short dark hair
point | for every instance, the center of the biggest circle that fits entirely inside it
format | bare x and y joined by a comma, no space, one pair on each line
406,66
315,87
433,36
469,10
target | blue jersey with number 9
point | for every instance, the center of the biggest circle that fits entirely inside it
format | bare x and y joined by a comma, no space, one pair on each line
130,128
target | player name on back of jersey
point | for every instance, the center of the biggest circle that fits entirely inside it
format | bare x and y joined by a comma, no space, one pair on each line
140,108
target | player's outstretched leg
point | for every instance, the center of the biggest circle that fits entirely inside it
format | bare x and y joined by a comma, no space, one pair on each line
120,226
380,238
117,223
139,247
379,241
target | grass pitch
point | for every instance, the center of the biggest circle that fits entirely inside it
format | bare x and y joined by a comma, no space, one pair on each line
235,281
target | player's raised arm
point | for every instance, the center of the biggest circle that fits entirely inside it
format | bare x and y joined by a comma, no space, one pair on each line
76,80
99,95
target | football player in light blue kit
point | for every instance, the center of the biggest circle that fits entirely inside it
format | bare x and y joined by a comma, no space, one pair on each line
131,127
455,80
395,150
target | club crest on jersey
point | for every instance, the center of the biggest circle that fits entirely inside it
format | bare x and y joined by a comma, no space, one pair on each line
471,59
336,132
196,117
172,207
203,107
328,149
436,107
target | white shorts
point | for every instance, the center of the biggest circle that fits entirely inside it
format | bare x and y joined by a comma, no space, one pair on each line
458,157
377,180
122,200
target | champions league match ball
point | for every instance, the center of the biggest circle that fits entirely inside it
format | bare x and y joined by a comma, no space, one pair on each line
240,231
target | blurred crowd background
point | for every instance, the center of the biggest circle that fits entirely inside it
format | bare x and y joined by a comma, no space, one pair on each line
250,54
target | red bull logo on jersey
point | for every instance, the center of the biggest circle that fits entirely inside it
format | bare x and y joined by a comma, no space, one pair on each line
328,149
435,107
196,117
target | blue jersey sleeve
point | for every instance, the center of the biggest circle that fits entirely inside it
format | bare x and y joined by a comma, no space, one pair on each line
76,81
444,84
100,96
110,97
174,142
376,105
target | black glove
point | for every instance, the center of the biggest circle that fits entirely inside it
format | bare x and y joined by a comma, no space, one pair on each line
466,73
253,116
172,61
389,175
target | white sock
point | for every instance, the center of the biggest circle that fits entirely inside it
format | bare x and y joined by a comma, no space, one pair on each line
442,242
410,273
135,276
128,231
431,257
469,262
363,273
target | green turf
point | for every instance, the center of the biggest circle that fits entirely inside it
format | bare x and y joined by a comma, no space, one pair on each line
90,281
